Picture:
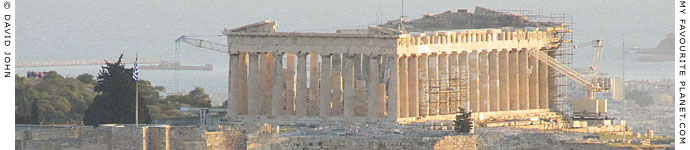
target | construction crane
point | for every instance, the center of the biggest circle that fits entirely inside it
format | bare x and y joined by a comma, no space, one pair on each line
591,85
596,56
594,65
196,42
202,44
590,107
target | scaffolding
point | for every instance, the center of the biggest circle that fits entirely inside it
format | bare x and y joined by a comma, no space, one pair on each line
563,54
447,93
561,97
452,92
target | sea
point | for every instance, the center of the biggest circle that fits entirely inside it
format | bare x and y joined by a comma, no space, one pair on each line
49,30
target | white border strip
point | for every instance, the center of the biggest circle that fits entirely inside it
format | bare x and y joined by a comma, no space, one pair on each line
8,52
681,76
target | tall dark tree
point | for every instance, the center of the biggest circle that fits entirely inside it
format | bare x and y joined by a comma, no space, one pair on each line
115,102
463,121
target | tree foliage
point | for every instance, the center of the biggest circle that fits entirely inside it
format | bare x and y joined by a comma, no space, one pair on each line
463,121
195,98
55,99
51,100
86,78
168,108
115,102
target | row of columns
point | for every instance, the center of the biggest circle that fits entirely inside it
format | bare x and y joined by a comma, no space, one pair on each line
478,81
386,86
324,85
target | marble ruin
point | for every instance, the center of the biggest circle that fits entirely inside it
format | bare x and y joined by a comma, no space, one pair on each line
403,70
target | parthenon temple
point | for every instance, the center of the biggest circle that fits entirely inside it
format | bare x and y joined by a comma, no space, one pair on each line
403,70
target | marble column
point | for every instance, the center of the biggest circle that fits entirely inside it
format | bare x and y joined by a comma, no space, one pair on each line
533,83
412,88
313,102
443,97
402,90
233,97
474,80
552,86
277,98
503,81
524,79
255,101
543,85
454,83
325,86
301,90
372,84
349,85
434,84
337,95
266,83
464,66
290,84
423,84
484,104
494,88
243,86
361,84
514,77
393,103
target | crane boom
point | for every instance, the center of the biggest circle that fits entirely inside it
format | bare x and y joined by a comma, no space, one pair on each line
591,85
203,44
553,63
196,43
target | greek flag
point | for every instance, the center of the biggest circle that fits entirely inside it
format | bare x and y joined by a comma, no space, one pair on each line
135,74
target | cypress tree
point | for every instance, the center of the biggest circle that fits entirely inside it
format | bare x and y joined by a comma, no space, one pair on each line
115,101
463,121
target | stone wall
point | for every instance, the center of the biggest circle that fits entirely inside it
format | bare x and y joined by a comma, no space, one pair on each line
96,138
187,138
157,138
126,138
225,140
129,138
399,142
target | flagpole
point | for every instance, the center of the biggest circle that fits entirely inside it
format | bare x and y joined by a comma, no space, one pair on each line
136,116
136,97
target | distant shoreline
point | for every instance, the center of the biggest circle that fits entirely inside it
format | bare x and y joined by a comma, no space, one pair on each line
83,62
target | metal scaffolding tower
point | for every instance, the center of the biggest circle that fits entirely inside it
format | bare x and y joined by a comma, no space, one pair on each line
451,92
560,97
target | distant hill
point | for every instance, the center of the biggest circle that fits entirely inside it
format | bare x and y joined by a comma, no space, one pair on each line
662,52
